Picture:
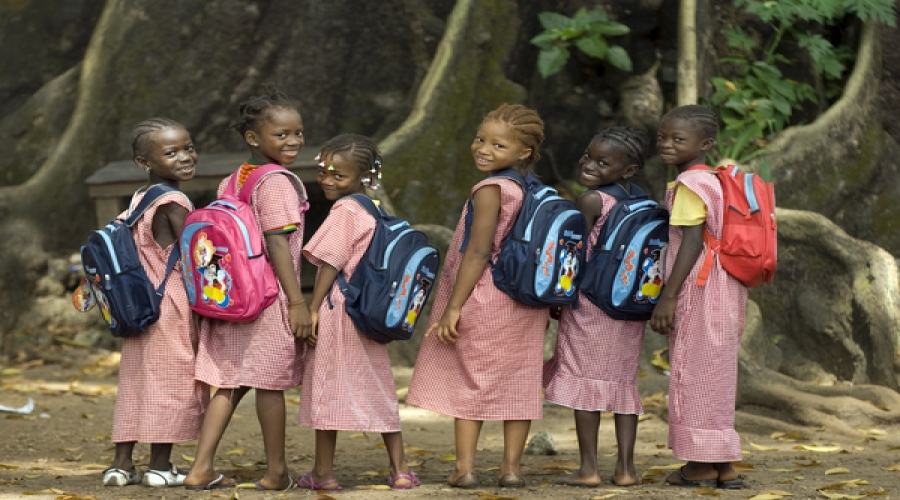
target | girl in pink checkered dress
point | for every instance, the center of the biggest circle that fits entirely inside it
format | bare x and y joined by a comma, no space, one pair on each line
704,322
158,401
595,365
348,384
263,354
482,354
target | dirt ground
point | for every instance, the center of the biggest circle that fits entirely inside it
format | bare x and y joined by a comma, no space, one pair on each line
59,449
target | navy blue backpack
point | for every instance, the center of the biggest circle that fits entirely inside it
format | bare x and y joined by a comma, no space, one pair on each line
128,300
624,274
389,287
541,258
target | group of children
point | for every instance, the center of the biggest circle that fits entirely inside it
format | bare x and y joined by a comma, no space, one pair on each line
481,357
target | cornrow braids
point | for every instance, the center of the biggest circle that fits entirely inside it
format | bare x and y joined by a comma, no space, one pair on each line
361,150
634,141
141,131
705,119
525,123
256,110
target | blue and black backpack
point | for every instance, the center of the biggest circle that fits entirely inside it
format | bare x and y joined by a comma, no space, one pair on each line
624,274
392,282
541,258
115,278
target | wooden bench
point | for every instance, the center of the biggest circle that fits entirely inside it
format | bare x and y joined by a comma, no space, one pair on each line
111,187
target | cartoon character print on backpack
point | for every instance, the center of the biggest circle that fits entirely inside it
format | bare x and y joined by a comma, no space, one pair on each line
651,281
568,271
216,282
420,294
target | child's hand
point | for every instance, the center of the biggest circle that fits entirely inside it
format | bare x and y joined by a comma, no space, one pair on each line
445,328
313,336
663,317
556,312
299,318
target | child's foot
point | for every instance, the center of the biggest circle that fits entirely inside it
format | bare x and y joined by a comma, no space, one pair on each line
464,480
580,479
159,478
403,481
286,484
626,476
121,477
685,477
216,482
308,482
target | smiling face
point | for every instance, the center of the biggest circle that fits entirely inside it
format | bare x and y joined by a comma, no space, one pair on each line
496,147
170,156
605,162
682,143
279,139
339,177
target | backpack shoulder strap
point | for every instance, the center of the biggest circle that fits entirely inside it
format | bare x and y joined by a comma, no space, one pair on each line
367,203
153,193
262,172
618,192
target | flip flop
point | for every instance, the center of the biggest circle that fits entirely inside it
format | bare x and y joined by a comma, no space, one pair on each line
215,484
692,483
511,480
731,484
307,482
467,481
411,477
291,484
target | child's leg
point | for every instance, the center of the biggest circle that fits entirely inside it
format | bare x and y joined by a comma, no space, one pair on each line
587,427
271,414
393,442
694,471
123,458
323,464
726,471
515,433
467,432
221,407
160,455
626,433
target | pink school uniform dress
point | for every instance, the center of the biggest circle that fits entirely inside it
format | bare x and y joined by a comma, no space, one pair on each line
595,365
704,344
262,354
493,371
348,384
159,401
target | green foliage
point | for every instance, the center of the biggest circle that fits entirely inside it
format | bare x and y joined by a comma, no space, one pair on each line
760,102
587,30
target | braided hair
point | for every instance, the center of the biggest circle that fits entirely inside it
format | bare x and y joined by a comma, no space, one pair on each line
525,124
633,141
359,149
140,133
256,110
705,119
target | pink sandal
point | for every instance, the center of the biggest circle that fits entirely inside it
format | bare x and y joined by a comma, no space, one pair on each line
411,477
307,482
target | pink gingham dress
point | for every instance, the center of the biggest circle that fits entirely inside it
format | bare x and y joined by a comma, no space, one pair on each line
595,364
703,347
159,401
493,371
348,384
262,354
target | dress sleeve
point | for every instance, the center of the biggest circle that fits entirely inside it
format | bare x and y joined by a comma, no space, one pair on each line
345,228
688,208
276,203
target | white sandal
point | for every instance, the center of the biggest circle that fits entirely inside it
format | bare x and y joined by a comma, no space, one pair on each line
161,478
120,477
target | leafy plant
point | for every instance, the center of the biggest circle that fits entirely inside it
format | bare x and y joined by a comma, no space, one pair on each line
587,30
760,102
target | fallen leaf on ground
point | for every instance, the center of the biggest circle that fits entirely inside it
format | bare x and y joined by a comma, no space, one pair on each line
658,360
604,497
667,467
759,447
415,463
766,496
8,467
812,463
488,496
872,432
246,486
842,495
892,467
373,487
236,451
448,457
820,449
242,465
560,465
359,435
370,473
187,457
837,470
743,466
782,470
707,491
645,416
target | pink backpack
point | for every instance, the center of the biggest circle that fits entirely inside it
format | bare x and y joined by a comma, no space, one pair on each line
225,268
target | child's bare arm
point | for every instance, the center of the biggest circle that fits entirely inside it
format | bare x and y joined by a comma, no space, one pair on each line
168,221
283,263
486,212
691,246
590,204
324,281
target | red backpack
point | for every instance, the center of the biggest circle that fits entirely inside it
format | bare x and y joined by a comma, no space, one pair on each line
748,247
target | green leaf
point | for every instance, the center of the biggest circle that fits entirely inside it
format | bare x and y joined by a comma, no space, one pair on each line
552,20
609,28
734,60
551,60
594,46
545,39
879,10
739,39
617,56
